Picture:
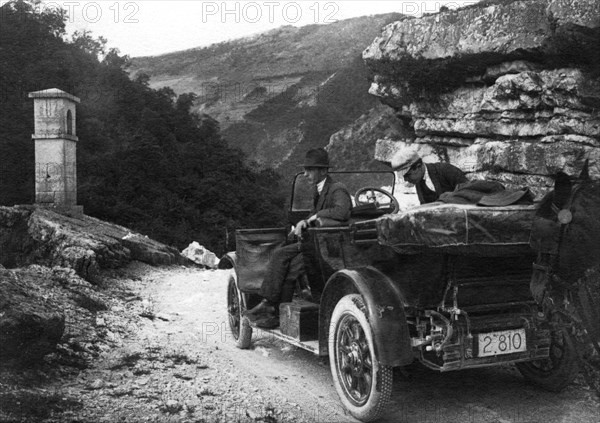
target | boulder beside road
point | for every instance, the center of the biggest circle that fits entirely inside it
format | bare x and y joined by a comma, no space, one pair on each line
200,255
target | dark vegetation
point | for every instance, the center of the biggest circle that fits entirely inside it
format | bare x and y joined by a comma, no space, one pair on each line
144,160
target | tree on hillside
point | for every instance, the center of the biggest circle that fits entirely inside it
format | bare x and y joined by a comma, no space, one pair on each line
27,42
144,160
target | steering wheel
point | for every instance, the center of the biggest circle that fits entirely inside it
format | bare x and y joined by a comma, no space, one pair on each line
369,196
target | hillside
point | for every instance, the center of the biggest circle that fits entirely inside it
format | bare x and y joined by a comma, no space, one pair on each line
278,93
144,161
283,53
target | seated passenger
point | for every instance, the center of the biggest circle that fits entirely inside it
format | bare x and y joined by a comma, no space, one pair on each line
331,200
430,179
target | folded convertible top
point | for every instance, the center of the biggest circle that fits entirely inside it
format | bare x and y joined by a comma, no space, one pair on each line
486,231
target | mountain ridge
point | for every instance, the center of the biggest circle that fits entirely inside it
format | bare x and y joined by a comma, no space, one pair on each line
278,93
324,37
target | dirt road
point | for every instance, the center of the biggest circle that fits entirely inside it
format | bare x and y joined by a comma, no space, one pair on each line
299,382
172,359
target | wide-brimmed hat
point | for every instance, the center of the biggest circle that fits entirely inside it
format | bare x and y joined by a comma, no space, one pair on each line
404,159
316,157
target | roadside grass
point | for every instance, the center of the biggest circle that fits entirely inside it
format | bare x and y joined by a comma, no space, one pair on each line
205,392
180,358
182,376
89,303
128,360
143,362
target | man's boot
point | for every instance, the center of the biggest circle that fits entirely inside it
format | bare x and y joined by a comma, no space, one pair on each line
267,321
264,307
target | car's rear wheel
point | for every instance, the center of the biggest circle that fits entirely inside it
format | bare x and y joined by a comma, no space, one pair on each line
239,326
363,385
556,371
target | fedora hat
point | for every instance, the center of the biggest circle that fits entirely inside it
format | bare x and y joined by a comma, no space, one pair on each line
316,157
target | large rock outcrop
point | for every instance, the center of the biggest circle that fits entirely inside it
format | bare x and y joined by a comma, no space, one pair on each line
354,145
506,90
37,235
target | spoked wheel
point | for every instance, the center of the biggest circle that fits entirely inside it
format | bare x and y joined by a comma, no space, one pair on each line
240,329
363,385
556,371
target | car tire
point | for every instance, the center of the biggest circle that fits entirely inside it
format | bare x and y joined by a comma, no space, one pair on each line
362,383
559,369
238,324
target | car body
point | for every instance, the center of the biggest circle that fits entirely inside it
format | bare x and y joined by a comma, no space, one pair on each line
444,284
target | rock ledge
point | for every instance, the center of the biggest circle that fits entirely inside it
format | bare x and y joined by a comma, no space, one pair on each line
37,235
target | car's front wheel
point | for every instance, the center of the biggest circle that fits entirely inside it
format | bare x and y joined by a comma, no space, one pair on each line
239,326
363,385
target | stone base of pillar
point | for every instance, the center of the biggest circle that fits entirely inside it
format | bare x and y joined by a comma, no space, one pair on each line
70,211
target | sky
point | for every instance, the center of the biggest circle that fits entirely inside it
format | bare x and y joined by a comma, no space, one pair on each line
152,27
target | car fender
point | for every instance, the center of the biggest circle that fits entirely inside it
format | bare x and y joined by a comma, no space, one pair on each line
385,312
228,261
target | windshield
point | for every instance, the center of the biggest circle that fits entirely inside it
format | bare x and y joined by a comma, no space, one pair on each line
302,195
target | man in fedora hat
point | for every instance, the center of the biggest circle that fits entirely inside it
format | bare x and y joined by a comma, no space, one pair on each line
331,201
430,179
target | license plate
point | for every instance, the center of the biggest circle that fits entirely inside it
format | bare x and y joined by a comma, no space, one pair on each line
502,342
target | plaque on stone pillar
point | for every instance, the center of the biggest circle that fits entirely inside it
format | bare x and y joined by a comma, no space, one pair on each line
55,149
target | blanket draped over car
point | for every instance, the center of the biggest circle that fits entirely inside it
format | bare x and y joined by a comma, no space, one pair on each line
486,193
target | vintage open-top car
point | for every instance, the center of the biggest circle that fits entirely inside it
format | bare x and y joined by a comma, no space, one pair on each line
445,284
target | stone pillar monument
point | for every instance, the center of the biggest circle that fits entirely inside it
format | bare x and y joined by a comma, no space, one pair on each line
55,149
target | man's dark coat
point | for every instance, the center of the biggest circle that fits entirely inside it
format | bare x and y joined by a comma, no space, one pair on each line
334,202
285,264
444,177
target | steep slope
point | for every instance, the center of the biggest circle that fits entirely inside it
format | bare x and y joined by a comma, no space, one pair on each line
279,131
278,93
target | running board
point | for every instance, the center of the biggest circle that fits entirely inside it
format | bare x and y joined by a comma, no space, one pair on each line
312,346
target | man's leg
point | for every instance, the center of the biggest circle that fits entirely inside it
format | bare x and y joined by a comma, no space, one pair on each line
266,313
277,271
295,271
314,272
